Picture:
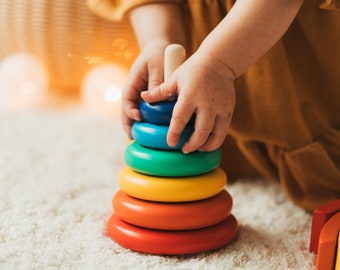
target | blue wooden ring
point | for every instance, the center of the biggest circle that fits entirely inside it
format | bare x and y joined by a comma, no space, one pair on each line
170,163
154,136
159,113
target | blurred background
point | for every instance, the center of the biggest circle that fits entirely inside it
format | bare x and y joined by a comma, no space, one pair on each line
53,50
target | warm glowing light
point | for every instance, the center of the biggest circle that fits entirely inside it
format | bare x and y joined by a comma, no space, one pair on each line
101,89
112,94
23,81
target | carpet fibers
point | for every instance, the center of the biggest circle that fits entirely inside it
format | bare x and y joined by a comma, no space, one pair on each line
58,174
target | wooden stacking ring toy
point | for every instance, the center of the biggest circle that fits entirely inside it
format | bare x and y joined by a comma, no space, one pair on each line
168,189
154,136
172,242
159,113
173,216
170,163
170,203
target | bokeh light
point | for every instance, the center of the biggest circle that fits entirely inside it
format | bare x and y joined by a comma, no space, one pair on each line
23,81
101,89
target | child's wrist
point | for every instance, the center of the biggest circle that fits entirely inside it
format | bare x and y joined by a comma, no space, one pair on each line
222,66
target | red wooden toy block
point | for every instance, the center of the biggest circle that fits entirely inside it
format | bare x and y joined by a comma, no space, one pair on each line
328,244
320,216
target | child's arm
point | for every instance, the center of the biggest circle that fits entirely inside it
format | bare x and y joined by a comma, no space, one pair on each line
158,22
249,30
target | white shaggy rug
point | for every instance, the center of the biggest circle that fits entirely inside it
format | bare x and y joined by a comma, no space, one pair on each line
58,171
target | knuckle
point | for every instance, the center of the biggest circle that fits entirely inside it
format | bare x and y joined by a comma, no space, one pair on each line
154,84
203,130
165,91
179,120
161,90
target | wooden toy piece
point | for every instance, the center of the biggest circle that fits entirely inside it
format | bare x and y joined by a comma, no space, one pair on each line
320,217
174,56
173,216
170,163
172,242
337,259
154,136
327,244
169,189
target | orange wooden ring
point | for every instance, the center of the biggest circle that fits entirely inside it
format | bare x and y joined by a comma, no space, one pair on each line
172,242
172,216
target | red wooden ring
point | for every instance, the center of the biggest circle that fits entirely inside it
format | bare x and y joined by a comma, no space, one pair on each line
172,242
172,216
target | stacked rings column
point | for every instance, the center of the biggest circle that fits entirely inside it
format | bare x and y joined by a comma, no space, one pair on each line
169,202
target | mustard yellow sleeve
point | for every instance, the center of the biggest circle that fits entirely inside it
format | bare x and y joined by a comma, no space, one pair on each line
116,9
330,4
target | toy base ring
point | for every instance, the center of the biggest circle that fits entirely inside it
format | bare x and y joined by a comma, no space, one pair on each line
172,242
172,216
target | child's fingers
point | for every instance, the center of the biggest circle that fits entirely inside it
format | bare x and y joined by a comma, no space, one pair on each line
155,78
218,134
180,117
127,124
162,92
204,123
130,102
130,113
129,110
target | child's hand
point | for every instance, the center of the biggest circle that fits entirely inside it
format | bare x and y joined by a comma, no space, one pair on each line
205,86
146,73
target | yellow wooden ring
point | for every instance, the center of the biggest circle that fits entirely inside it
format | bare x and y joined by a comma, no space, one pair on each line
170,189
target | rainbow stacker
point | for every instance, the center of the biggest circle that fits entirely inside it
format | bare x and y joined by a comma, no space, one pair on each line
170,203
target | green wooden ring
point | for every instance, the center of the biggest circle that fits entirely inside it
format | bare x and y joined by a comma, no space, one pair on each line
170,163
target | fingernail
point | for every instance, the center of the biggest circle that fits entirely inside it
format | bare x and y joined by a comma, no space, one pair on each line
137,117
185,151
